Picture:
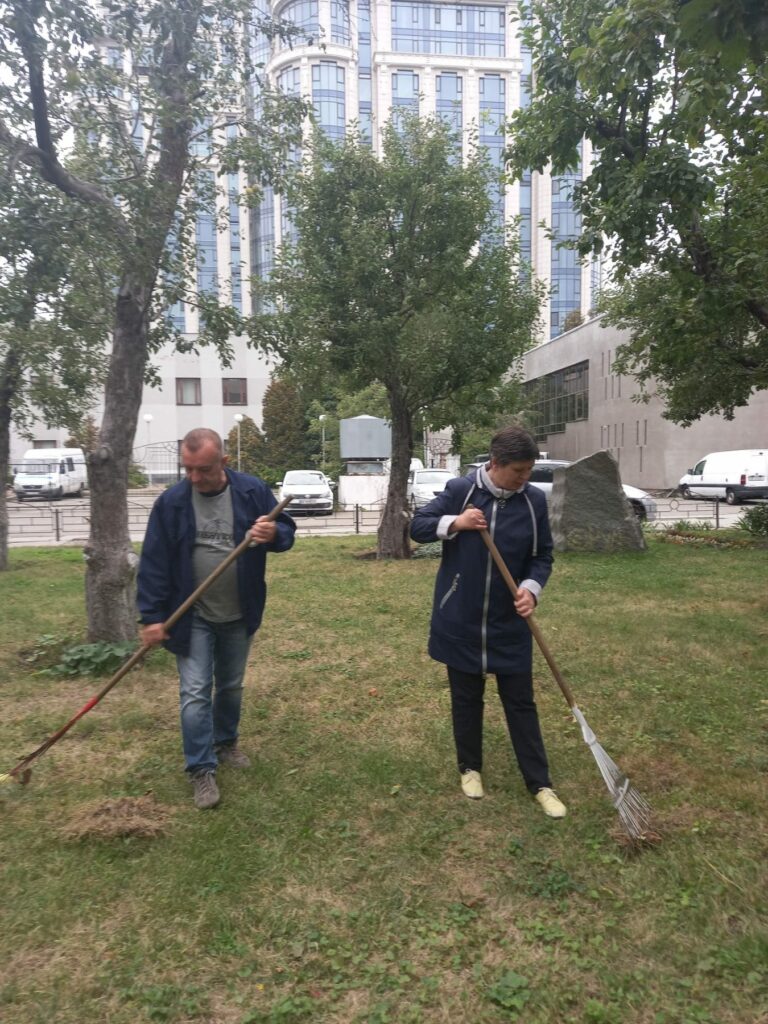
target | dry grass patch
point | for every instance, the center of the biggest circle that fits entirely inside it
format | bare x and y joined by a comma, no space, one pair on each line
138,816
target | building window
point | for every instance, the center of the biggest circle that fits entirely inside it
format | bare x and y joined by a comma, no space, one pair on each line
234,391
559,398
188,391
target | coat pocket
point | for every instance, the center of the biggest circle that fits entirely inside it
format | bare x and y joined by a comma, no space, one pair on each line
450,591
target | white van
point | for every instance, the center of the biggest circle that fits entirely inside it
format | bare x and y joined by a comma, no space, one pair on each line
51,473
735,476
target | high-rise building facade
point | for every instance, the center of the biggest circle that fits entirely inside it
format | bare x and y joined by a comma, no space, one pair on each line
363,61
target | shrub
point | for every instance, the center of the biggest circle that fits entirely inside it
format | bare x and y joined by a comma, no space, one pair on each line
92,659
755,520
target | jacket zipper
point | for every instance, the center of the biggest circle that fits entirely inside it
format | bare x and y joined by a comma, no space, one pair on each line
487,598
535,528
451,590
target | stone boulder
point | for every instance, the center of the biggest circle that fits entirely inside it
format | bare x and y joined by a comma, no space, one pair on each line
588,510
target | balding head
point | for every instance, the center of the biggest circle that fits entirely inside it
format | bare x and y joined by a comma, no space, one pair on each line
203,458
196,438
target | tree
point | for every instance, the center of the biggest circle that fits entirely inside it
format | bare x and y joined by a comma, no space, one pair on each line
147,90
392,280
249,440
283,420
672,98
52,328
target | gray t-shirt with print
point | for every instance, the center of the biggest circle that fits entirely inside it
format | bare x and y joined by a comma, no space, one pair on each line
214,539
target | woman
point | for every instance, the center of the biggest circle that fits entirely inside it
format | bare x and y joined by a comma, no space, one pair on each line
477,627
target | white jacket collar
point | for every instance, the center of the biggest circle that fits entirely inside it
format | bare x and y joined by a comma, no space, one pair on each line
498,492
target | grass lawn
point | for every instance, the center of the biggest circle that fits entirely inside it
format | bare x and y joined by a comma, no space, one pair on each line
344,878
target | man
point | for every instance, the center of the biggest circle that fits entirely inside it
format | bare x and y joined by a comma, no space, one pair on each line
477,628
192,528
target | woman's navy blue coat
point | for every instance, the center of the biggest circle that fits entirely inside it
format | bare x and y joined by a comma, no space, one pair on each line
166,575
475,627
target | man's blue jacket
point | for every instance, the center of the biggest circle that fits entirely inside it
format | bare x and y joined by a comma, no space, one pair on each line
474,626
166,577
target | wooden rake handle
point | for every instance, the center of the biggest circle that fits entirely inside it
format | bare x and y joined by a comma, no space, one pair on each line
532,624
138,655
220,568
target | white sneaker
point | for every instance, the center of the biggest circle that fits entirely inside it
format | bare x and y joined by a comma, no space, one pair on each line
551,803
472,784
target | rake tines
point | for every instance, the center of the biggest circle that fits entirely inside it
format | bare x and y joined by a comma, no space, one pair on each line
633,809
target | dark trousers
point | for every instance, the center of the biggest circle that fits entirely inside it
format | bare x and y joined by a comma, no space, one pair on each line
516,694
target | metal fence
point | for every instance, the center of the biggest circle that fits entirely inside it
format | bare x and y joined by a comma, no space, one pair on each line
34,522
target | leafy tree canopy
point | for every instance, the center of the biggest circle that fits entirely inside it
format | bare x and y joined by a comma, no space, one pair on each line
672,98
388,282
285,438
246,449
139,112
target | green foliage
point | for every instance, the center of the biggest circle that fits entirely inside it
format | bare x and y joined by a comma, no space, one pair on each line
434,550
250,446
755,520
672,99
388,283
92,659
511,991
85,435
137,478
285,437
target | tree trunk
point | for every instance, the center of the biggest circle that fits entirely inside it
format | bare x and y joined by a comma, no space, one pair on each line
9,379
393,529
5,447
110,559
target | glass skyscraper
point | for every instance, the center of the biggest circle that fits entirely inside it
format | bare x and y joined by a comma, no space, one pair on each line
363,61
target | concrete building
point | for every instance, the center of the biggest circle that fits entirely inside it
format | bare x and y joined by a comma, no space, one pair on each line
580,406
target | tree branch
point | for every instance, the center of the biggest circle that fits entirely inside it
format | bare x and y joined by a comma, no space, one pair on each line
44,155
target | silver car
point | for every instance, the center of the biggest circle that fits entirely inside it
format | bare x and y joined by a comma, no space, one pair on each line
424,484
310,490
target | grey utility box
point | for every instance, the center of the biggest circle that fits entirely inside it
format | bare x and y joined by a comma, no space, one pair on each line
365,437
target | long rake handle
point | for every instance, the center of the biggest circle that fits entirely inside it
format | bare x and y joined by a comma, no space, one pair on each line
532,624
139,654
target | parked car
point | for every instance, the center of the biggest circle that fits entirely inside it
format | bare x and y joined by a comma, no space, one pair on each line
735,476
424,484
543,473
311,492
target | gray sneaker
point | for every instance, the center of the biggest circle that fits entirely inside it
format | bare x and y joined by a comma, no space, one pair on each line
233,756
206,791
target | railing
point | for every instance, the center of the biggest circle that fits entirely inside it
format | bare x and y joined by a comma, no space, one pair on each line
67,520
60,521
713,513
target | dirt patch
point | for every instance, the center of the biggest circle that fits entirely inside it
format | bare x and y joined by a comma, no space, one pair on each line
139,816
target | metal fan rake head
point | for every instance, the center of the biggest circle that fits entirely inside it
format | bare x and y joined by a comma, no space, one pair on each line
633,809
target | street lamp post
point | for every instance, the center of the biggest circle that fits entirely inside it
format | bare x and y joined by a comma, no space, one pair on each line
148,420
321,417
238,420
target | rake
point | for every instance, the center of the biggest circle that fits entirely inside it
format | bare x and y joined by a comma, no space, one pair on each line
633,809
22,772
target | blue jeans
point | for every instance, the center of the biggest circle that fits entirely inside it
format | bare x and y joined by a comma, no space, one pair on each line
218,652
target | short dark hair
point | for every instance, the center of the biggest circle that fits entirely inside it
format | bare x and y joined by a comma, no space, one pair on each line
196,438
513,444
